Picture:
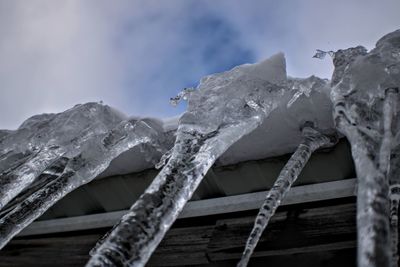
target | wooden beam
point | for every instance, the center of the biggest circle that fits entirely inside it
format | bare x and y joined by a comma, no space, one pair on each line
293,231
298,194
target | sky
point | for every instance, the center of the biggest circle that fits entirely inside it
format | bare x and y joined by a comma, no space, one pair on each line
136,54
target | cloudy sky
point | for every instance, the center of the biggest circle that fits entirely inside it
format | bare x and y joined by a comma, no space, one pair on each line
134,55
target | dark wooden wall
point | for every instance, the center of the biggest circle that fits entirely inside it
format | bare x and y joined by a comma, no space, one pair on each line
316,234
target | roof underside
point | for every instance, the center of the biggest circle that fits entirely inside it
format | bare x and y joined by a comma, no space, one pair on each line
120,192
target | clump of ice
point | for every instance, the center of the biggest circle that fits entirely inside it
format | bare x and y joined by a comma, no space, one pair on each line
85,138
305,87
322,54
183,95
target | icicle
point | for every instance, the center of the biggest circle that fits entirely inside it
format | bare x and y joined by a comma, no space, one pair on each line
394,222
226,107
45,178
16,180
373,191
394,181
363,97
163,159
385,164
80,170
138,233
312,141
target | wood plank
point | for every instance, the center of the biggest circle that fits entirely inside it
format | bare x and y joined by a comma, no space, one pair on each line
317,229
49,251
181,246
295,230
222,205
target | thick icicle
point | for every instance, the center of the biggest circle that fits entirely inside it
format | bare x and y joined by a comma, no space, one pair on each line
45,178
312,141
394,180
183,95
364,88
94,159
43,139
16,180
394,222
226,107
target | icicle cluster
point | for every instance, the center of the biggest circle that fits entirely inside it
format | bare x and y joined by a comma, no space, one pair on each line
51,155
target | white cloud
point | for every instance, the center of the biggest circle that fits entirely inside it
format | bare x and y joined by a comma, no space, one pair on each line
298,28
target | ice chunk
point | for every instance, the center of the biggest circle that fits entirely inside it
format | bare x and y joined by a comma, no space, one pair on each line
305,87
322,54
183,95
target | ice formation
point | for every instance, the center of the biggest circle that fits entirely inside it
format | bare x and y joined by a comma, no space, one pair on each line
79,143
365,93
225,107
232,116
313,140
322,54
394,181
183,95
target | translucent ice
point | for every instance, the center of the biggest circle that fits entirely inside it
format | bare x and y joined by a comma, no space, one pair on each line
183,95
43,139
305,87
365,98
312,141
322,54
394,192
83,157
224,107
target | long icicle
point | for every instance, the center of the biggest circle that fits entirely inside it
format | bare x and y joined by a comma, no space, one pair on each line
312,141
373,207
394,222
16,180
393,171
135,237
80,170
225,107
50,174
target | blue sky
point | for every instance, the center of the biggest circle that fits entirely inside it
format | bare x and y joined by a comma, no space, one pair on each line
135,55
